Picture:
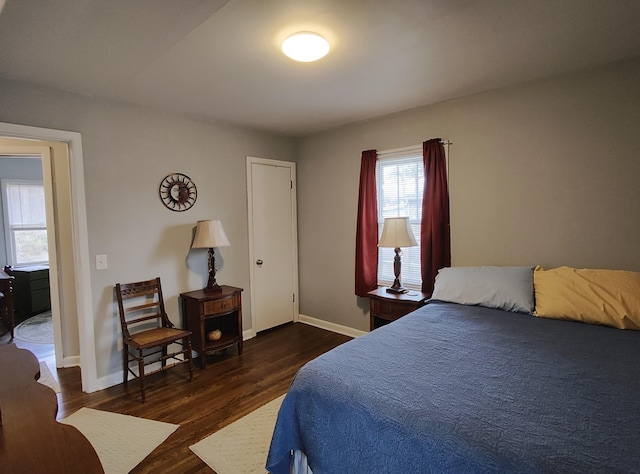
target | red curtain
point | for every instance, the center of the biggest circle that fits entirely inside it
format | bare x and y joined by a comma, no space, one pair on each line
435,240
367,226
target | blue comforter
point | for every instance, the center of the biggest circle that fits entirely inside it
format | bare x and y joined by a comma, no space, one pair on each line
465,389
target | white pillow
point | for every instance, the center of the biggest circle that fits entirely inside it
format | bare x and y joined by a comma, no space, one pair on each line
507,288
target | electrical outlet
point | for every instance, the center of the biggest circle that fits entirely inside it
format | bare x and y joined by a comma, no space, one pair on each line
101,262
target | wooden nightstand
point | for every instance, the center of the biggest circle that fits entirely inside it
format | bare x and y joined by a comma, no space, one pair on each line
204,312
387,307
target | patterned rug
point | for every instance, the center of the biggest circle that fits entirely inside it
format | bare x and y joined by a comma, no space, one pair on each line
37,329
106,431
242,446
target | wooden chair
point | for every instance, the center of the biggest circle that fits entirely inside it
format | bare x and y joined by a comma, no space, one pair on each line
147,332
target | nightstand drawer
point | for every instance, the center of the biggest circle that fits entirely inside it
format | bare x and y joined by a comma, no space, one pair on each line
386,307
389,310
221,306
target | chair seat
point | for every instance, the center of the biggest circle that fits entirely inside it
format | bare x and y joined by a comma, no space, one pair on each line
155,337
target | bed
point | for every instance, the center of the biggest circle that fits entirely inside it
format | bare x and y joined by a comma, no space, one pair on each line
467,388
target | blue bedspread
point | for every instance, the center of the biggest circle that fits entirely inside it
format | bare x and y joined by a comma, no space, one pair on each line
466,389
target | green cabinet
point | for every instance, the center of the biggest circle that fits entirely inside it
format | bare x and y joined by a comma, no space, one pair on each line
31,289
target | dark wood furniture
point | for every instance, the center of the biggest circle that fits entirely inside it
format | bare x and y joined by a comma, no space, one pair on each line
208,311
30,438
31,289
386,307
6,301
146,326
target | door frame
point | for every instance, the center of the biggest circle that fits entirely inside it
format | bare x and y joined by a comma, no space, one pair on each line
251,160
81,261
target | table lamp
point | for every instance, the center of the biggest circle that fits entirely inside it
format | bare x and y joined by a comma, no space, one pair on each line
210,234
396,233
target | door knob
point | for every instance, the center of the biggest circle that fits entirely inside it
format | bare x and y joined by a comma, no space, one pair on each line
259,262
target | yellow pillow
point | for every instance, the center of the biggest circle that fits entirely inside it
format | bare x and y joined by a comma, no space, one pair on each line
609,297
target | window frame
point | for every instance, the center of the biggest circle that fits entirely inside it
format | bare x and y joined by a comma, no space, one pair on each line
10,230
411,274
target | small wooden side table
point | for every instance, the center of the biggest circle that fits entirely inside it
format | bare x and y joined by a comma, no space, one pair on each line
386,307
205,312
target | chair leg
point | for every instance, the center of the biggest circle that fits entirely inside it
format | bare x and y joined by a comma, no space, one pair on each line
141,374
187,340
125,364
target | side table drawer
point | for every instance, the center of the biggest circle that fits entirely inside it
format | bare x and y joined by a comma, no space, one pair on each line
221,306
389,310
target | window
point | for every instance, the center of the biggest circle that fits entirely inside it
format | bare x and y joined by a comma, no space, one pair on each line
400,185
25,222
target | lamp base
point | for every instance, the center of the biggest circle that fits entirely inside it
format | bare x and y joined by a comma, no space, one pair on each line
212,284
398,290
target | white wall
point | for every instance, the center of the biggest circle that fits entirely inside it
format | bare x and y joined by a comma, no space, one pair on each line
127,150
542,173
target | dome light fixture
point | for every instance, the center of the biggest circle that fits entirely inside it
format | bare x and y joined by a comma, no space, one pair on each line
305,47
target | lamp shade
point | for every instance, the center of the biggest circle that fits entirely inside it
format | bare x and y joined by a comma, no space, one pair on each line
396,233
210,234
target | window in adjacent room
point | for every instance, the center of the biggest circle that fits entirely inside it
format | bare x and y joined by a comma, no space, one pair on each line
25,222
400,185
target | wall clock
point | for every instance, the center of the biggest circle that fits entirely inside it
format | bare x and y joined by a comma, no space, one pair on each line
178,192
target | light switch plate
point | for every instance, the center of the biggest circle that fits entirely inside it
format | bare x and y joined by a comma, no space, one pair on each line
101,262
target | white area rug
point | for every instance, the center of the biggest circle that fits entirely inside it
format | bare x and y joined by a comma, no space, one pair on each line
121,441
46,378
37,329
241,447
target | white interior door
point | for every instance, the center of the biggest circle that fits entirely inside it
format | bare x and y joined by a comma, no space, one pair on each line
273,246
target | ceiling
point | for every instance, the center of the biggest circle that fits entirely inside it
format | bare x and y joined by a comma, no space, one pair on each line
220,59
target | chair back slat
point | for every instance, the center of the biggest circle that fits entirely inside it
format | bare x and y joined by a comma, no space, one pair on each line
133,309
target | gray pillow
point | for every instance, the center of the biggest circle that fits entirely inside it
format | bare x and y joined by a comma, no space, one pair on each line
506,288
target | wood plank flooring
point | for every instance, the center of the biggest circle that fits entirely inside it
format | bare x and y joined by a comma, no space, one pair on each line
229,388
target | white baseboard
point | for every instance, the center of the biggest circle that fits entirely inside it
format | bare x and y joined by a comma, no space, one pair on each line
109,381
333,327
72,361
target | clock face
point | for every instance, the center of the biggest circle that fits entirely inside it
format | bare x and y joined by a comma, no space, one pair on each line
178,192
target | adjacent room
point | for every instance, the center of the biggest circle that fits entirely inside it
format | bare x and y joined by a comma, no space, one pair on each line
436,209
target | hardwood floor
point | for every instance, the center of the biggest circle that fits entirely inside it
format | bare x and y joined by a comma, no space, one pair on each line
230,387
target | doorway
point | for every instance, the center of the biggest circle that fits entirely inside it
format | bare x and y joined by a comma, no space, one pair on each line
273,242
71,241
24,252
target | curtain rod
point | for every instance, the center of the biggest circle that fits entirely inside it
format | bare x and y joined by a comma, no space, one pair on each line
409,148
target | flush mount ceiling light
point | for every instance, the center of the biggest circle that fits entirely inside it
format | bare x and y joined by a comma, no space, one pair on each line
305,47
